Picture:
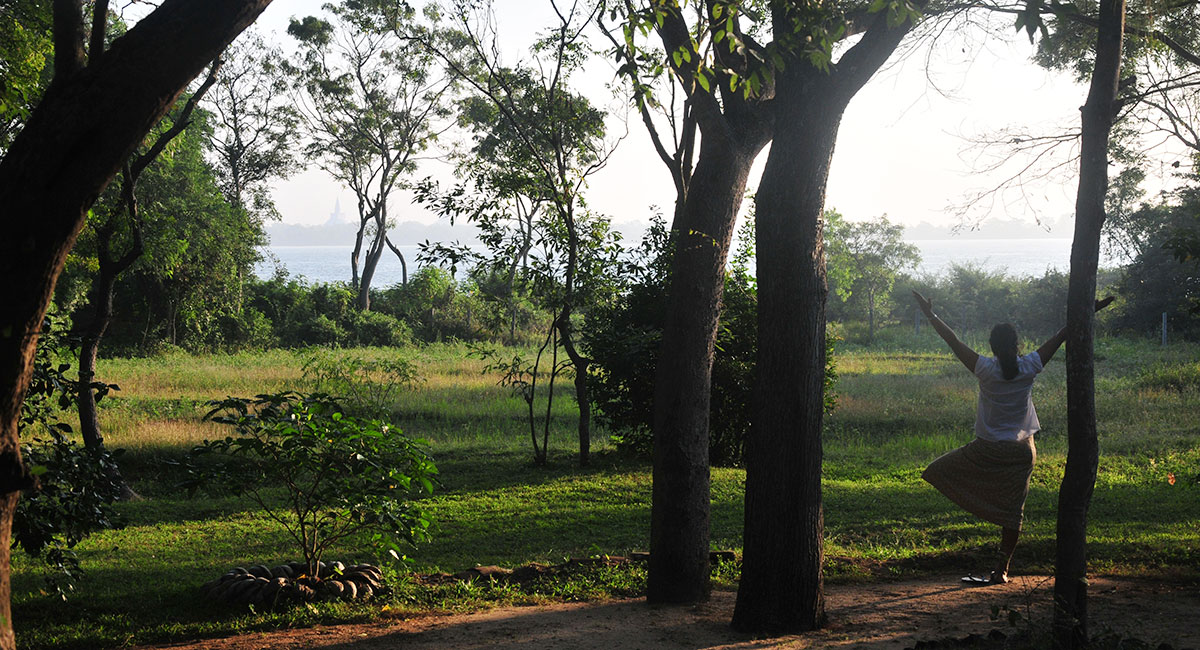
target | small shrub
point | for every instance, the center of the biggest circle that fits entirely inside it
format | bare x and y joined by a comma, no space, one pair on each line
344,477
251,329
320,330
375,329
369,387
74,487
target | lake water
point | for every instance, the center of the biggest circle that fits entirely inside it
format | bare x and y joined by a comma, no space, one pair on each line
1017,257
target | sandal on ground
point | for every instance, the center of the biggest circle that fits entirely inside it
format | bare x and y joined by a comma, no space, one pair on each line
995,578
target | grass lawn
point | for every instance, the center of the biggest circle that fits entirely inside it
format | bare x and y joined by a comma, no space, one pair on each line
902,403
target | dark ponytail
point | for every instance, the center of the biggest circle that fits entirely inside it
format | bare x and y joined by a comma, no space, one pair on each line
1004,346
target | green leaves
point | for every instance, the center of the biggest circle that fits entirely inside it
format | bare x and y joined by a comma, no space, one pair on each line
1030,19
343,476
311,31
76,485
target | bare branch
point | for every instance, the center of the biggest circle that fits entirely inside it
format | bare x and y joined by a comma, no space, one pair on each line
181,122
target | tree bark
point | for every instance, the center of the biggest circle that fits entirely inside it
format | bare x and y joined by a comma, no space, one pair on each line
363,300
86,125
679,523
1079,478
870,317
403,263
89,346
782,589
585,413
580,364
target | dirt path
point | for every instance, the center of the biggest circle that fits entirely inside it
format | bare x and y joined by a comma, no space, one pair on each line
874,616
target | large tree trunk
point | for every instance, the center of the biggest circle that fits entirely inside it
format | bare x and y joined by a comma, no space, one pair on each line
1079,478
781,588
679,533
87,124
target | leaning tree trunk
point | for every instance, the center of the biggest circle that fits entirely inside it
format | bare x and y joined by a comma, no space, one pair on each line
1079,478
403,263
86,125
363,300
679,522
89,349
781,587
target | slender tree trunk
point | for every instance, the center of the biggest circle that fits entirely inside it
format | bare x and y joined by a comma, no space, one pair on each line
870,317
403,263
679,523
85,395
359,235
580,364
86,125
363,302
1079,478
89,348
566,335
585,413
781,588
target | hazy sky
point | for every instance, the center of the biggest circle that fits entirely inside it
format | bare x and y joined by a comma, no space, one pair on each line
902,149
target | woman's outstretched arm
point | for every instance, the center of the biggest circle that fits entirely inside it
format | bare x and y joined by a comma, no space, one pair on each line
1052,344
965,354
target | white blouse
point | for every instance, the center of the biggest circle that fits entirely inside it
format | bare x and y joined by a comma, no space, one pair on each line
1005,409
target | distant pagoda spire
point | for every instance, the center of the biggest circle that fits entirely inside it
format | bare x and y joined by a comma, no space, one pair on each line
335,217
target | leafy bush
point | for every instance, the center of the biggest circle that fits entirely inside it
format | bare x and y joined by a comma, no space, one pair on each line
372,328
319,330
438,307
251,329
344,477
370,387
75,486
623,337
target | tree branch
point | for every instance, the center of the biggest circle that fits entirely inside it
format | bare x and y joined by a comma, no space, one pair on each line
181,122
68,37
99,28
1152,34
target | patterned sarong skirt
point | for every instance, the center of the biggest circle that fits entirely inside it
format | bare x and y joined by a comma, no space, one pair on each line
986,478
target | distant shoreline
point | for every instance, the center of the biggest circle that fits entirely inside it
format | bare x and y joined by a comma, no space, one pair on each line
1023,256
412,233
